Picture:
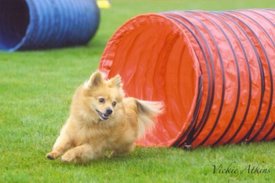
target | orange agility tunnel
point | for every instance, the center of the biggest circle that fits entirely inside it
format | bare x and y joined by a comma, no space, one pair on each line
214,71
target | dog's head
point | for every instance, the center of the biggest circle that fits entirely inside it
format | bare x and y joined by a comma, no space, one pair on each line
103,97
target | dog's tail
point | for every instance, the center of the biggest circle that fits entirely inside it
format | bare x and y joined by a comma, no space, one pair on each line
147,113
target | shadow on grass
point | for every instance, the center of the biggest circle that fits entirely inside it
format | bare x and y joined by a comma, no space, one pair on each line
140,154
170,155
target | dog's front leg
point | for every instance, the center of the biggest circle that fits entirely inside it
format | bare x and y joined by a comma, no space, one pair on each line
124,149
81,154
61,145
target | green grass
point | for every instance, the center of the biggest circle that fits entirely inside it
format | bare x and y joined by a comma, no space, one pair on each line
35,93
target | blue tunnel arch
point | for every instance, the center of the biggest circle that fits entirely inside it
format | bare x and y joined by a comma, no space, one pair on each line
39,24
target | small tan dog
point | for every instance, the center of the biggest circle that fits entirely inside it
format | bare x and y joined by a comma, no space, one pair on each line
103,120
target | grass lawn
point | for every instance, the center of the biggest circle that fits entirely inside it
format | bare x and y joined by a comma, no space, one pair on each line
35,93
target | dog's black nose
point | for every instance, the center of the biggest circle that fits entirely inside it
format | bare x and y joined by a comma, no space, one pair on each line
109,111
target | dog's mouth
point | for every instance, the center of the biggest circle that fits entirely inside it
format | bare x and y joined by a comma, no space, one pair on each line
102,116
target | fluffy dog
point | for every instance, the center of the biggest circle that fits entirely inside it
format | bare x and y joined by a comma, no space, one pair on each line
103,120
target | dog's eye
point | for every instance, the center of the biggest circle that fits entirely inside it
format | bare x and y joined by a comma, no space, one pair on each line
114,103
101,100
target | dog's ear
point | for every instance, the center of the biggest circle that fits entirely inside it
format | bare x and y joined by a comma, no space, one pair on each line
95,80
116,81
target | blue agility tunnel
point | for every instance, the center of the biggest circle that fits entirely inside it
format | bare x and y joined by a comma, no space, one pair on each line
38,24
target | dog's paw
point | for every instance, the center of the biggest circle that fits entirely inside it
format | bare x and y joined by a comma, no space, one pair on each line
52,155
68,158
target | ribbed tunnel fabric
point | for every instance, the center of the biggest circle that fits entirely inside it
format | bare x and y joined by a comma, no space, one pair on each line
214,71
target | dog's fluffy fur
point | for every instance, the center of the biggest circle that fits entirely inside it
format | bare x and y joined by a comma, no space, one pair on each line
103,120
